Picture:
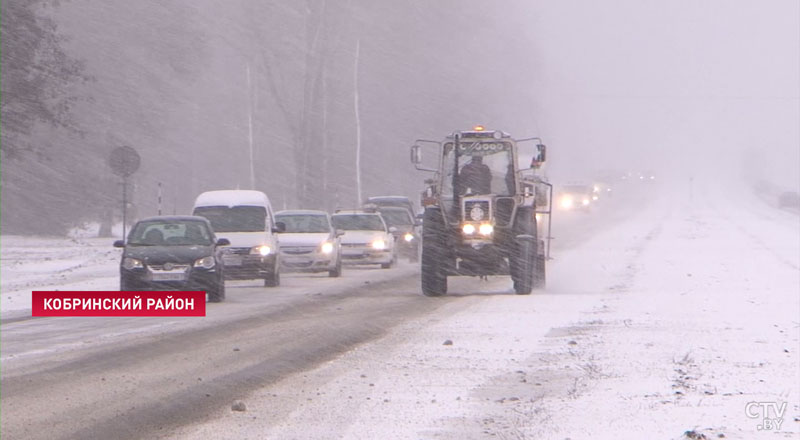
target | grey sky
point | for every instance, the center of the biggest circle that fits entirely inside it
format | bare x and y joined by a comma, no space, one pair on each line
641,80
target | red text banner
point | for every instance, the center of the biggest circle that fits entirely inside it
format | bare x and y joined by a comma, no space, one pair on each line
116,303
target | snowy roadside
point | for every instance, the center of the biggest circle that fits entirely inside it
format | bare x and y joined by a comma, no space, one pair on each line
676,320
707,323
49,263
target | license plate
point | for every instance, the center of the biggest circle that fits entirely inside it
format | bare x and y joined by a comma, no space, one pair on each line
169,276
354,254
231,260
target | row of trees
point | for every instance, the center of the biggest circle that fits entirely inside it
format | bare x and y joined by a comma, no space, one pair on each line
235,94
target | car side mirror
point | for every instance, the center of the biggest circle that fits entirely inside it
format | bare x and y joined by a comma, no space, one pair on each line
338,233
416,155
392,229
119,244
279,227
417,222
223,242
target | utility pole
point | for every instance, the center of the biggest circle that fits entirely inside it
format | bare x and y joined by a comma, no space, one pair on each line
250,127
358,126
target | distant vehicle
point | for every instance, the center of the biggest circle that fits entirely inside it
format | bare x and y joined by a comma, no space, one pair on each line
392,201
574,197
309,243
245,218
642,176
173,253
406,236
366,239
601,190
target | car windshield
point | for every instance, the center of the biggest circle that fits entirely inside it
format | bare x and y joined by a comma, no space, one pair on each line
235,218
304,222
170,233
399,203
358,222
396,217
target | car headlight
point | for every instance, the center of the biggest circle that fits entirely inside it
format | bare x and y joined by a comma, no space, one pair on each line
132,263
566,202
205,262
468,229
486,229
326,247
408,236
262,250
379,244
585,202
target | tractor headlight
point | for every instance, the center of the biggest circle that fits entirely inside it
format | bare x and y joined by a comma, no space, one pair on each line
486,229
379,244
205,263
132,263
468,229
408,236
326,247
262,250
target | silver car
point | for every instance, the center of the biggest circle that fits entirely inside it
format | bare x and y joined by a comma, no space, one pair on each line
309,243
367,239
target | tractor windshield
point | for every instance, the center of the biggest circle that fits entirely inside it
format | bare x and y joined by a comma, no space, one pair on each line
474,168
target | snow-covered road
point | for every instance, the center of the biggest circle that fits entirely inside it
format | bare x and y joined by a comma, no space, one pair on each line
661,320
665,326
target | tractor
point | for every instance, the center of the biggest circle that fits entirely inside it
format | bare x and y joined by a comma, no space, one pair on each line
482,210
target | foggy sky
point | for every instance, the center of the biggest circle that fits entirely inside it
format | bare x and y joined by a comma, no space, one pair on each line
684,88
679,85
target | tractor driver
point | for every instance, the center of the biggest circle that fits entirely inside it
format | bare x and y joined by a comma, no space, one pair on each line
475,177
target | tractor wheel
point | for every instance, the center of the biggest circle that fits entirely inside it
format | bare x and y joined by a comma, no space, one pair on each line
434,279
524,252
540,276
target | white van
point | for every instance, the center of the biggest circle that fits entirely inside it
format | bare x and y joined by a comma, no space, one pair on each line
245,218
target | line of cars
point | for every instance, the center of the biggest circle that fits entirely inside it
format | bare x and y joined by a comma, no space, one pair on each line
234,234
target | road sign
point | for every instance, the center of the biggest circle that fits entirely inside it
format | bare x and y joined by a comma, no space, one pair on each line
124,161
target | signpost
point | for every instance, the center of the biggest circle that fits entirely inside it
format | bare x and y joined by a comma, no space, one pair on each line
124,161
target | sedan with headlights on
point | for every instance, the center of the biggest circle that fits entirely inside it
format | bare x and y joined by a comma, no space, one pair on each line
366,239
173,253
309,243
